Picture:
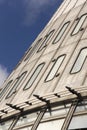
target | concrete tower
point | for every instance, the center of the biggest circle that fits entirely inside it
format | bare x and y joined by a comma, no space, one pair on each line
48,88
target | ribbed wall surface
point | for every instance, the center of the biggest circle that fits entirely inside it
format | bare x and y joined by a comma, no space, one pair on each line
56,59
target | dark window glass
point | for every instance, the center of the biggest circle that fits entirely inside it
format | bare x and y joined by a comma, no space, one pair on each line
79,61
34,76
54,70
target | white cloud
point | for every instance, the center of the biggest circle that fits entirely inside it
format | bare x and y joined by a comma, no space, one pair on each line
33,8
3,74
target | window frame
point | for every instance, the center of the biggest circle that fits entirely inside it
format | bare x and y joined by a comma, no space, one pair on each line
13,90
46,39
5,88
27,53
80,29
76,60
38,119
25,87
32,49
55,75
67,23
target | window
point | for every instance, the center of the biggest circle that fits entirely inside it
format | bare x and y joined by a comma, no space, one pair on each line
47,37
79,61
78,123
34,76
5,88
54,70
51,125
26,56
27,119
38,120
61,32
33,49
6,125
14,88
78,26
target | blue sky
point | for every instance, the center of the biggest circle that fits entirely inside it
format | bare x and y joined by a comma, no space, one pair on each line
20,23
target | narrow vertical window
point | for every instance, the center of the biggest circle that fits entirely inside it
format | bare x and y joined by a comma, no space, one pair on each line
5,88
78,26
33,49
54,70
15,86
44,43
79,61
61,32
34,76
27,54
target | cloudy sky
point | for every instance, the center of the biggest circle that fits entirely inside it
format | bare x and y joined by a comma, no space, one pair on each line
20,23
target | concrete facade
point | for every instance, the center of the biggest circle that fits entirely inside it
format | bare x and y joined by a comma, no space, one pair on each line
48,87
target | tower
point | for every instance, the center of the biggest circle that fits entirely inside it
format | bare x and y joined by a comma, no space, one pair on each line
48,87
